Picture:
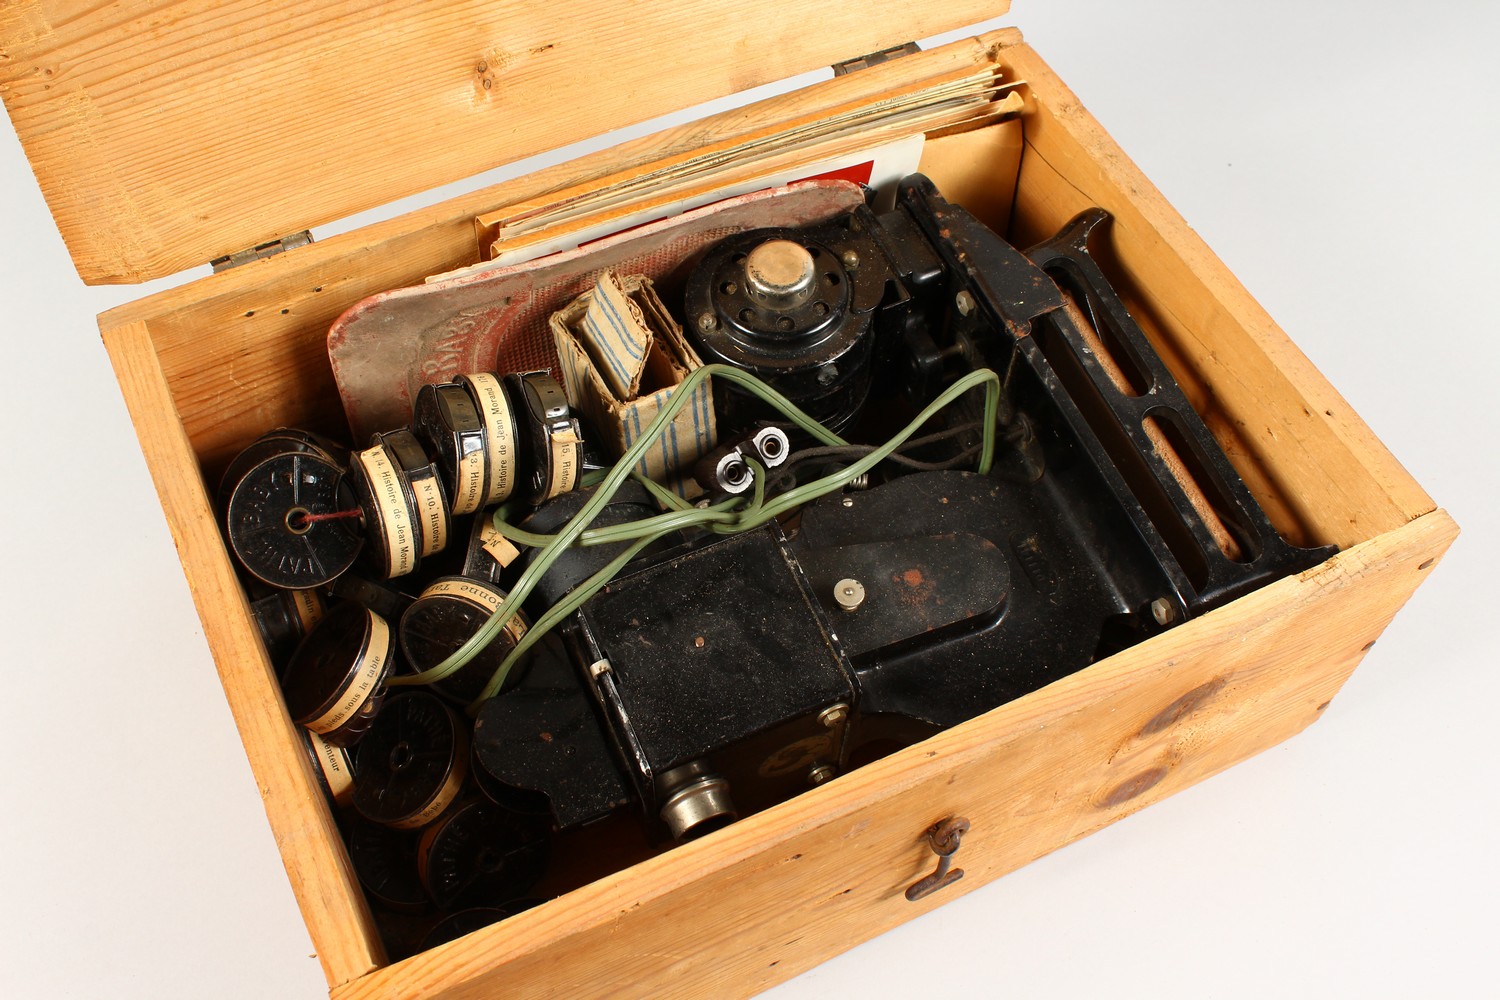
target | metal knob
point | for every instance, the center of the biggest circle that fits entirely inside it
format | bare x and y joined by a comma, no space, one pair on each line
781,271
696,800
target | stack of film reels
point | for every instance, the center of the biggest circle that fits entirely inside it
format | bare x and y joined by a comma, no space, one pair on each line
350,560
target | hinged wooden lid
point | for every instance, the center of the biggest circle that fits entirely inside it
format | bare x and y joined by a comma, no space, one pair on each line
166,133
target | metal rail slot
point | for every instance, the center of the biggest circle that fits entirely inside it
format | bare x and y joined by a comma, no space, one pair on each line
1195,501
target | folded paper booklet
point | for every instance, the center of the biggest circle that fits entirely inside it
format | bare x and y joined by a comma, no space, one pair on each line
622,356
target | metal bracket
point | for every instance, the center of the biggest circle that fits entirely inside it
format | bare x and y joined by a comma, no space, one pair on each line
874,58
261,251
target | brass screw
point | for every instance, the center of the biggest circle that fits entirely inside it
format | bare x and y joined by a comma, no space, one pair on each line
834,715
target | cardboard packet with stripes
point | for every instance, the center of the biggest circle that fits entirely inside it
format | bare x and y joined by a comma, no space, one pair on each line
622,356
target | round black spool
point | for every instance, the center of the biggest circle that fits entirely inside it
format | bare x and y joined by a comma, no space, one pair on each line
577,563
443,618
267,527
335,681
482,855
411,764
551,439
385,861
280,441
446,421
456,925
812,347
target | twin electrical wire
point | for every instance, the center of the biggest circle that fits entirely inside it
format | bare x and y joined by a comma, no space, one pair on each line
729,516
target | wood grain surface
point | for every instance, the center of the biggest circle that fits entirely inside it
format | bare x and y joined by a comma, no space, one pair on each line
165,134
332,903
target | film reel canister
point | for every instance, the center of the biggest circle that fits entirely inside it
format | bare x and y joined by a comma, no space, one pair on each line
551,439
447,615
412,763
284,619
288,524
502,441
385,862
446,420
335,681
278,442
482,855
404,503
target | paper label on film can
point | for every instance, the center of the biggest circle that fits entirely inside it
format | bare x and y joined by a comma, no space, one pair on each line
499,434
564,463
309,607
483,598
333,763
394,514
497,545
362,683
469,487
434,515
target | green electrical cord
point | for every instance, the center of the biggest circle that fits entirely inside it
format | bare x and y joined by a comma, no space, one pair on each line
719,517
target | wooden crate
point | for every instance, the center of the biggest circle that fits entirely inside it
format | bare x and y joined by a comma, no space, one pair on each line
207,366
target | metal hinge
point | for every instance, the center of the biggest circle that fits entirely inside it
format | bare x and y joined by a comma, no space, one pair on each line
874,58
261,251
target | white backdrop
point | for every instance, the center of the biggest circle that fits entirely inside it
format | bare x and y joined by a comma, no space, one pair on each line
1341,157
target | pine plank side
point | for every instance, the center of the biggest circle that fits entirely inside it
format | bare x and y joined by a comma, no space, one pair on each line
775,894
1313,463
266,364
331,902
165,134
978,170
